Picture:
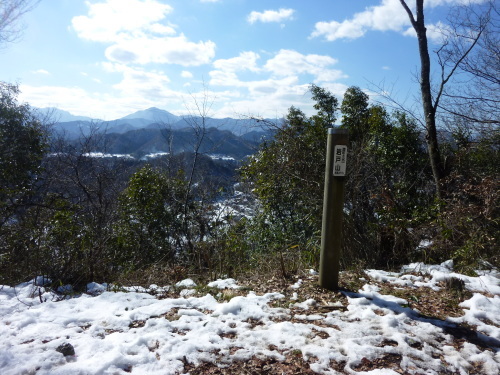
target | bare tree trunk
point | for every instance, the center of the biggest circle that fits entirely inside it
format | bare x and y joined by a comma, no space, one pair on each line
425,87
197,121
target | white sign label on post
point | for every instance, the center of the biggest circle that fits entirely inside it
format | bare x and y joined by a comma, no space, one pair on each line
339,160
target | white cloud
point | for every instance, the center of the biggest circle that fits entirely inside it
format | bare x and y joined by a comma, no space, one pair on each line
437,32
205,101
132,94
334,30
272,96
156,28
72,99
284,65
389,15
224,78
186,74
139,82
268,98
435,3
245,61
137,89
289,62
85,74
273,86
41,71
111,20
168,50
139,34
271,15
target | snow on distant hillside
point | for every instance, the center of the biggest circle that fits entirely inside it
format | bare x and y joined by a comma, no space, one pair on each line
157,331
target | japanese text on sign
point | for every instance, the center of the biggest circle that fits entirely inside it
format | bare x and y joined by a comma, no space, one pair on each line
339,160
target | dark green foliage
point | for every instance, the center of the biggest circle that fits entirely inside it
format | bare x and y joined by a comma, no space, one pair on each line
22,146
387,183
287,174
355,112
47,239
150,225
326,105
476,154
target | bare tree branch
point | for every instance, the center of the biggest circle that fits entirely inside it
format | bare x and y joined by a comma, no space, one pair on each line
11,11
474,49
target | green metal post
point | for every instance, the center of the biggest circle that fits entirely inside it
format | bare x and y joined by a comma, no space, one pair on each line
333,206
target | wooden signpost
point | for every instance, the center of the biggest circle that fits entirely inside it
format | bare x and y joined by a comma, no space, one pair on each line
333,205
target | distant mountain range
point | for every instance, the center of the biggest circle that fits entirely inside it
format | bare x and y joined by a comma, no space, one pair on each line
57,115
155,130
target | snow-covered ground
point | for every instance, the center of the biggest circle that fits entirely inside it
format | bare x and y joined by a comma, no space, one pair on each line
140,332
236,207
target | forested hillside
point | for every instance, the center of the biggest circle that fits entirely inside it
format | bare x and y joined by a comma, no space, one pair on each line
86,210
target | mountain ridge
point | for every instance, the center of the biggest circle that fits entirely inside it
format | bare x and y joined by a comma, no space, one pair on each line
153,114
56,115
156,130
74,126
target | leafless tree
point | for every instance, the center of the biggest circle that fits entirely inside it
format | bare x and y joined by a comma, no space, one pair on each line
92,185
432,96
199,112
474,96
11,12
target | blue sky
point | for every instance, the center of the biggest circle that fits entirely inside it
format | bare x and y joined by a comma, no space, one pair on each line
108,58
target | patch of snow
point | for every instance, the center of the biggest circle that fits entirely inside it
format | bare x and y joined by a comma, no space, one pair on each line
95,288
224,284
424,244
221,157
154,155
306,304
486,282
297,284
187,283
104,155
65,289
187,292
132,330
479,309
42,280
